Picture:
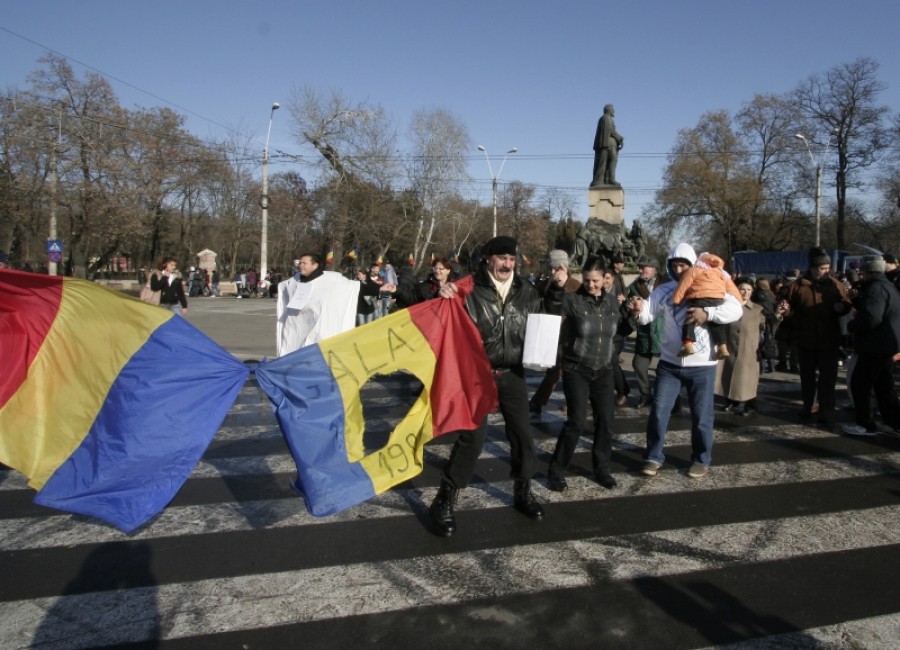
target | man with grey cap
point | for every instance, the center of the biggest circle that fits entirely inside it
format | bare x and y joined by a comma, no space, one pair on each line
876,332
560,283
498,301
646,342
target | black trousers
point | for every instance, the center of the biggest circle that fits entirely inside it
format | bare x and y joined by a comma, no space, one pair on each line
542,394
717,334
582,386
622,387
512,393
818,376
875,372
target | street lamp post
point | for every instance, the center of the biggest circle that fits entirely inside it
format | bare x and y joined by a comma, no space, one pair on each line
264,201
819,165
52,268
494,178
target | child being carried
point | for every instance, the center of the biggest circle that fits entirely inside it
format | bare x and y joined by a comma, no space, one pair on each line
705,285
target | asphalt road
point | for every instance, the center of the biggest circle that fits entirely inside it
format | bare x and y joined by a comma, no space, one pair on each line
790,541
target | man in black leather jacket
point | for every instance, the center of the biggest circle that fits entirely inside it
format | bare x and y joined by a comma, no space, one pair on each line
499,302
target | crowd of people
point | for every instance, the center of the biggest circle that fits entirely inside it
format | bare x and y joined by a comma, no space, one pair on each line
712,337
733,338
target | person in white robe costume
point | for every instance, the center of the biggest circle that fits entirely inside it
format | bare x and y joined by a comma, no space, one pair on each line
319,305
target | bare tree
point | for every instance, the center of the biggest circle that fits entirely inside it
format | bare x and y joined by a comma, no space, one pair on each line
767,125
357,146
436,171
843,102
560,209
709,186
888,211
162,161
92,133
458,227
28,150
525,218
231,193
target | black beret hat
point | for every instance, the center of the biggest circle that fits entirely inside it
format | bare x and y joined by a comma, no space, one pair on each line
501,245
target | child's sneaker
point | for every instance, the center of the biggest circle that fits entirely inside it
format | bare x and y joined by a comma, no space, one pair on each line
722,351
687,349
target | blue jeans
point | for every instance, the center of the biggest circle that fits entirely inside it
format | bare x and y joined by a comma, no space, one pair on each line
700,382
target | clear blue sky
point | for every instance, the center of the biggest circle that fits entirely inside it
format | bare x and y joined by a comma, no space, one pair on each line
529,73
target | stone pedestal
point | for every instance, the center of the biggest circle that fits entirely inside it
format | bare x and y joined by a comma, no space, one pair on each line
607,204
206,260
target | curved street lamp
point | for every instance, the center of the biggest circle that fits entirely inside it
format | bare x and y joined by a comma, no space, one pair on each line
494,178
264,201
819,165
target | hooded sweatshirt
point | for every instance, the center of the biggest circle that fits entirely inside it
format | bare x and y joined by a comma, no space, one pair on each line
660,305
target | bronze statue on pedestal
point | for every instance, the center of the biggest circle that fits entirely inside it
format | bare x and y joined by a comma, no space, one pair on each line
607,143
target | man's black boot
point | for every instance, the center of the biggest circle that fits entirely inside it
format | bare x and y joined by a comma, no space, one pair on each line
442,510
524,501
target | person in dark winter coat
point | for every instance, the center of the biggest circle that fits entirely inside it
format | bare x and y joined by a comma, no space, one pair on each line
620,291
876,332
765,298
813,310
560,284
498,301
646,342
407,289
891,270
365,302
168,282
441,274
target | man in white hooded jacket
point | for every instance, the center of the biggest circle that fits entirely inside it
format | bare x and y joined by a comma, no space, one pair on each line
696,372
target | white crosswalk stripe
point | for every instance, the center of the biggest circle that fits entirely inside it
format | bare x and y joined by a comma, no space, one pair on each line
500,569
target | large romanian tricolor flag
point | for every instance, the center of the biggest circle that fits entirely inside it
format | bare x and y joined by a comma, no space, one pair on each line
316,393
106,403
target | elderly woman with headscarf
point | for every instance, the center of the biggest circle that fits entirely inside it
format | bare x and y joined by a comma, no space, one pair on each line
737,375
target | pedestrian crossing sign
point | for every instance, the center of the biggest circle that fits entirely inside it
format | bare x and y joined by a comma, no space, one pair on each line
54,246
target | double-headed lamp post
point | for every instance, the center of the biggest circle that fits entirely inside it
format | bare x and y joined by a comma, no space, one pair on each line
819,165
264,201
494,178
